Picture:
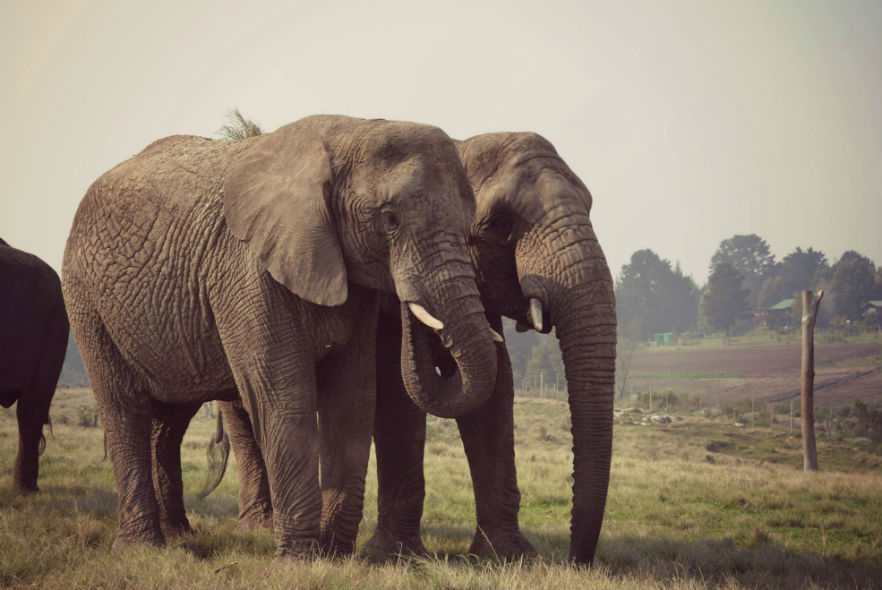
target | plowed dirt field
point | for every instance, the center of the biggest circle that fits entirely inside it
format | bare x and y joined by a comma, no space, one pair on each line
843,372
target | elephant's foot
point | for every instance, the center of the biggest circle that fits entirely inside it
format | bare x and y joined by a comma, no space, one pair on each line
25,490
174,530
123,542
335,547
253,521
300,549
501,544
384,546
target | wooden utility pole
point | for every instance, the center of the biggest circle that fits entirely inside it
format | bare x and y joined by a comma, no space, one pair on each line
807,385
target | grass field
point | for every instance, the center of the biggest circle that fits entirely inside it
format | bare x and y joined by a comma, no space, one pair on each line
695,503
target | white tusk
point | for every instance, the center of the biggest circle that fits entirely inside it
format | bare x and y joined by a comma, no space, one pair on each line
496,335
425,317
536,313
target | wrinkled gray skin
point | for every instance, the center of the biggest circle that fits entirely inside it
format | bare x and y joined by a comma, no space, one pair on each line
202,270
531,238
33,341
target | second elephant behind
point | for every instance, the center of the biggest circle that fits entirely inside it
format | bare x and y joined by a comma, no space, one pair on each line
538,262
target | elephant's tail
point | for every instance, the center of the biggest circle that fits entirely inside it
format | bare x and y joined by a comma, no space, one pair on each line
217,455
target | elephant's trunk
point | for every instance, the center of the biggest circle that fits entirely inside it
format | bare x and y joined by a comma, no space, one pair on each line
585,324
469,341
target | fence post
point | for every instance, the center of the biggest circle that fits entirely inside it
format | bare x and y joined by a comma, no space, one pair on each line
807,384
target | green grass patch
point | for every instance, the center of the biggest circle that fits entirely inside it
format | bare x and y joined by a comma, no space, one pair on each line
747,518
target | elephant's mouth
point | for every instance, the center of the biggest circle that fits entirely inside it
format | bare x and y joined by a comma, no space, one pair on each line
434,346
448,370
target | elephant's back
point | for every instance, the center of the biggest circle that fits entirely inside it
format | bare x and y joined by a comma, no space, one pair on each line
148,240
25,276
30,301
162,199
180,170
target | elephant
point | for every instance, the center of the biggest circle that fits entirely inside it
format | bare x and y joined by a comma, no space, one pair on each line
33,342
538,261
251,270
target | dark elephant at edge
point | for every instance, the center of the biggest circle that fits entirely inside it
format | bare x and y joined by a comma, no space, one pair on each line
538,262
33,342
250,271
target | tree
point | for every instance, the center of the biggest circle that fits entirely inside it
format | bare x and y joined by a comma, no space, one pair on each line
520,347
626,345
651,297
773,290
750,256
798,271
546,361
853,284
725,300
800,267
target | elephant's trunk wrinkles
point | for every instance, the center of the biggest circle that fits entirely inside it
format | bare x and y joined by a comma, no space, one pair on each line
469,341
585,324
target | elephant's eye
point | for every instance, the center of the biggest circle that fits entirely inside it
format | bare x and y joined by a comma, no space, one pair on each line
390,220
500,225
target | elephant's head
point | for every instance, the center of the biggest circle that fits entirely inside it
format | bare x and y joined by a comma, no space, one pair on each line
330,201
539,262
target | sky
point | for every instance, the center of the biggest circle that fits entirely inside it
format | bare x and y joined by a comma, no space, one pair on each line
689,121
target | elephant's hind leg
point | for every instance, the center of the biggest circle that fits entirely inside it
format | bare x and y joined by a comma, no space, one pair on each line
255,505
30,430
33,404
169,424
124,408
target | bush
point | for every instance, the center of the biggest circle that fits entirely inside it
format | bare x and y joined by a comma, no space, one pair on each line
87,418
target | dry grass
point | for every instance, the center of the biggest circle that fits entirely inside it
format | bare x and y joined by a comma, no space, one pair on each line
679,516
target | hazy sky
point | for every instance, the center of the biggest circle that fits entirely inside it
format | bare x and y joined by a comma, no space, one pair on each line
688,121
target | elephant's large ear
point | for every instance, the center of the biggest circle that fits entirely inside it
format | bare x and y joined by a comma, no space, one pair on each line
276,198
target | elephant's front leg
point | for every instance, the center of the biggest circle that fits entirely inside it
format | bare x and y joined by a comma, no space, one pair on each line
488,439
289,438
400,440
346,401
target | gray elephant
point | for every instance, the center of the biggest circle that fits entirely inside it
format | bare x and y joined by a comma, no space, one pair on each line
250,270
538,262
33,341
